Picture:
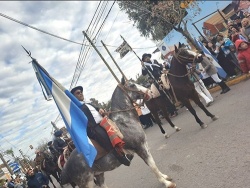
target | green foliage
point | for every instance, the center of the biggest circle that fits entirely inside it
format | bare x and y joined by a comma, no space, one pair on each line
42,145
10,152
141,80
155,19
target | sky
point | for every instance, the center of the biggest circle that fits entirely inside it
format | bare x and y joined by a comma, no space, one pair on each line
25,115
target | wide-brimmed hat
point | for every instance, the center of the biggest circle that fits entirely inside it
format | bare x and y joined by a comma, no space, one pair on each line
145,55
76,88
58,133
49,143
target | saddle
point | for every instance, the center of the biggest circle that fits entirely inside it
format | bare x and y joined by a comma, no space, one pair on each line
115,137
164,81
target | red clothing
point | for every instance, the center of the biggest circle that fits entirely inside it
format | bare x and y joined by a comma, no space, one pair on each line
243,56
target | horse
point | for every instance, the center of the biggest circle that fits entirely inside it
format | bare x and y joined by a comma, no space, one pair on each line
159,103
183,87
50,167
123,113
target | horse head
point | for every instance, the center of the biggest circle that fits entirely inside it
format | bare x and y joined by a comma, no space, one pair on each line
185,56
137,91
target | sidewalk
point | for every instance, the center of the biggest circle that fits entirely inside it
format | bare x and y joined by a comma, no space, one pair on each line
231,82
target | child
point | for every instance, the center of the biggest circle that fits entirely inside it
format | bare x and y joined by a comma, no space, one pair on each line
243,49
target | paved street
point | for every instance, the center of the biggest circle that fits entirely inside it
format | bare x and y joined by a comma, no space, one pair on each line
216,157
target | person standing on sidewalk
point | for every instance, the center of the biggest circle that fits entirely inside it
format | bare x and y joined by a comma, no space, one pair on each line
243,49
211,70
200,87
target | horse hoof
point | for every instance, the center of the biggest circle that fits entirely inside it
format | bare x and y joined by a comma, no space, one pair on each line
166,136
203,126
215,118
178,129
172,185
169,178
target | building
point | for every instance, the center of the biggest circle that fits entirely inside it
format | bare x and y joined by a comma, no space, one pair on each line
218,21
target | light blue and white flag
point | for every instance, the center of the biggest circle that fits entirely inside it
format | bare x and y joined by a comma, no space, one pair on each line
221,72
70,110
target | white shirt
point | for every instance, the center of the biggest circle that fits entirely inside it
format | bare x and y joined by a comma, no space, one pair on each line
97,116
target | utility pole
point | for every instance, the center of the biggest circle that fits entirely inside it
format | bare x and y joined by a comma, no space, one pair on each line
24,158
6,164
54,125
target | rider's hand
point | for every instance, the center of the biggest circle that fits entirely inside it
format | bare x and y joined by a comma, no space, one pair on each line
103,112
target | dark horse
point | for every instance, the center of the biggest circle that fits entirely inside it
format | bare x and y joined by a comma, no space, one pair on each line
124,115
156,104
183,87
50,167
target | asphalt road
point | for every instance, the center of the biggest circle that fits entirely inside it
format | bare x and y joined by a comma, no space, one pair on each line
215,157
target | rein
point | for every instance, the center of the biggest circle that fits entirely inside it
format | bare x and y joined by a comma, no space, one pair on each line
127,109
180,58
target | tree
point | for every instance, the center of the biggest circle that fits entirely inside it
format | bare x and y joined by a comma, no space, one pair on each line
157,18
10,152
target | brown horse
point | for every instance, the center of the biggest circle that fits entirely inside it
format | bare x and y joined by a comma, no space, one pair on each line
156,104
183,87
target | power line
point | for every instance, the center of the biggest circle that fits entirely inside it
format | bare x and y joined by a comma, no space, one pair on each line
53,35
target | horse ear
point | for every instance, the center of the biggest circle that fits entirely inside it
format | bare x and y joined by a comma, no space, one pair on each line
175,49
180,45
123,81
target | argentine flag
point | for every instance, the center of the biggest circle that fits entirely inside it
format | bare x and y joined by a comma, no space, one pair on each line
221,72
70,110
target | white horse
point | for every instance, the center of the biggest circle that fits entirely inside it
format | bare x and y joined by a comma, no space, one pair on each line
124,115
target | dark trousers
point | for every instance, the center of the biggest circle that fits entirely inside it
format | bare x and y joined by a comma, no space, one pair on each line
100,135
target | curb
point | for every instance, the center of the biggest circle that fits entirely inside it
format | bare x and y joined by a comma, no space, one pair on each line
234,81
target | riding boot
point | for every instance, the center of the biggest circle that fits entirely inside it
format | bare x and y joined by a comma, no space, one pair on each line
100,135
224,87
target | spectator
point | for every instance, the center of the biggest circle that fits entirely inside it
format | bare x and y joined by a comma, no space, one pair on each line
245,30
238,22
243,49
224,55
139,113
37,180
10,183
195,78
146,114
236,34
211,70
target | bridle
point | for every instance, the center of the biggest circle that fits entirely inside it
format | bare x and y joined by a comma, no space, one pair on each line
125,89
180,59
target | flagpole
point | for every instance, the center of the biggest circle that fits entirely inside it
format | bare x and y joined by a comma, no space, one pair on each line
114,60
150,74
85,34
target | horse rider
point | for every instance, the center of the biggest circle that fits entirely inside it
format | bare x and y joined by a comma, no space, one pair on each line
59,143
39,159
94,130
155,68
53,151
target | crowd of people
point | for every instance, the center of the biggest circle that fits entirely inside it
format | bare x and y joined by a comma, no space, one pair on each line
232,52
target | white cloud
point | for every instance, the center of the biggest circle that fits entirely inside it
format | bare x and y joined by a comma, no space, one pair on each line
25,115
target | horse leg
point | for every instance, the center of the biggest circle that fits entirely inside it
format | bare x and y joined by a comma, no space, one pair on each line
145,154
164,110
99,180
199,103
187,103
50,179
153,109
87,182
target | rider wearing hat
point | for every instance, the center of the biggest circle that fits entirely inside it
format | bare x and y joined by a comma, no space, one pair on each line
94,130
59,143
155,68
151,65
52,150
